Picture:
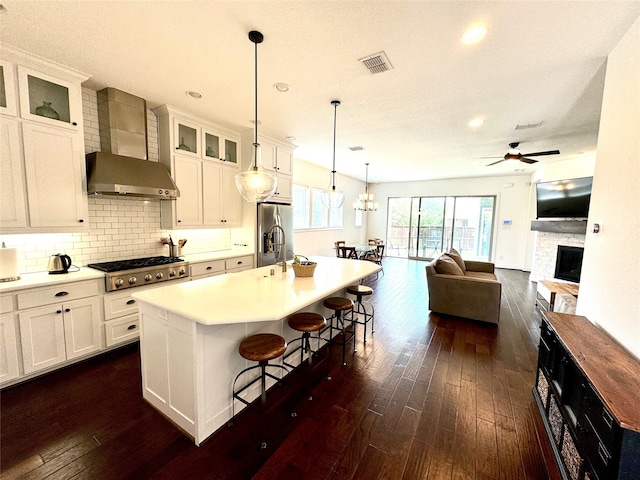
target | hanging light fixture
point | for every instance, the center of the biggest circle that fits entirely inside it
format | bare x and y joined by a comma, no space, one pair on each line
365,201
256,184
333,197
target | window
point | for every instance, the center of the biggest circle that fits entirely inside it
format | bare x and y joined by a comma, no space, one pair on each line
300,207
310,212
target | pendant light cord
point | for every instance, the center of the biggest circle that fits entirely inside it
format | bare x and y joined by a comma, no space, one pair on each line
255,129
333,172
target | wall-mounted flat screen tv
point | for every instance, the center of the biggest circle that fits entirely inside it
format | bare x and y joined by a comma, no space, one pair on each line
564,198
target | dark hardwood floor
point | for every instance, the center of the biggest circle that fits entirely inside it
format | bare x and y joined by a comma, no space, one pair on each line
428,396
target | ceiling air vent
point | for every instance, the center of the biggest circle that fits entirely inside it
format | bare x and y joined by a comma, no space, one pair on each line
524,126
376,63
356,149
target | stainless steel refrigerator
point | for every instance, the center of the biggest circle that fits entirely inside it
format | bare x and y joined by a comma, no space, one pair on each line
275,233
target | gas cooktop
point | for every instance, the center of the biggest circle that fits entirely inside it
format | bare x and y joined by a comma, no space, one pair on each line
120,265
137,272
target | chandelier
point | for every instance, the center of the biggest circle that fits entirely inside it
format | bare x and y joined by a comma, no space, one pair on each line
365,202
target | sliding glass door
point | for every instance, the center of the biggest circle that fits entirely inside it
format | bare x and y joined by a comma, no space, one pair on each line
423,227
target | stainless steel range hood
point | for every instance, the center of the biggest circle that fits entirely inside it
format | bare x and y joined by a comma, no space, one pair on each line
111,174
122,168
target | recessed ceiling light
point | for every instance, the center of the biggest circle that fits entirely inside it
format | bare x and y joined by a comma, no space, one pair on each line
290,139
476,122
473,35
282,87
192,94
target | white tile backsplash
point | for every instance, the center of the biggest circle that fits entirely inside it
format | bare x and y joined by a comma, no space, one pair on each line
119,228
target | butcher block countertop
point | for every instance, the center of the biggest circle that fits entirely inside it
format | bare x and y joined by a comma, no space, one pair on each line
256,295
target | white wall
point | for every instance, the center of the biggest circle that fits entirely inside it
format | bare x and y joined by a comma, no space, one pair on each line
512,203
610,283
320,242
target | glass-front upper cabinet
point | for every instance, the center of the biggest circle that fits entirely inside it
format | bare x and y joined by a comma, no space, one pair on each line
186,137
7,88
217,147
47,99
230,150
211,145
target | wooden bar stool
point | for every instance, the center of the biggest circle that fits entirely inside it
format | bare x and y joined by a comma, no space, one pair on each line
359,314
340,305
307,323
260,348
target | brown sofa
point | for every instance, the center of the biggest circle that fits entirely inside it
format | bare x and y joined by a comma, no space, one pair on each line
472,291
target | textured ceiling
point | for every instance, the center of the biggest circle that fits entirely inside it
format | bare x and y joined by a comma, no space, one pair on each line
540,61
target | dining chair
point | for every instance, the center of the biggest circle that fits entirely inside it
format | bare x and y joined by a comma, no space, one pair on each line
347,252
338,244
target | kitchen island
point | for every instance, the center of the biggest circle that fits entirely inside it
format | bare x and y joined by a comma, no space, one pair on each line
190,333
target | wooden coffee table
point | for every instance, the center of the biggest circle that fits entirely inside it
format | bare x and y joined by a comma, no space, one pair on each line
558,287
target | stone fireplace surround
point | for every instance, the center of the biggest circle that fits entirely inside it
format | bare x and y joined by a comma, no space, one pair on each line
546,249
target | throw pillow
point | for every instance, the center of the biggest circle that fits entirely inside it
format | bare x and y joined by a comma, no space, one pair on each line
447,265
453,253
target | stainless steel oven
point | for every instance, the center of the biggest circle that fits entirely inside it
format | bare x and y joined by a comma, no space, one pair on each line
137,272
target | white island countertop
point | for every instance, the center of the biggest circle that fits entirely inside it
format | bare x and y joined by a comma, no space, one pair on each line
256,295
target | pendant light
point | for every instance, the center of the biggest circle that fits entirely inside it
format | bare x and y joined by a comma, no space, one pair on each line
333,197
256,184
365,201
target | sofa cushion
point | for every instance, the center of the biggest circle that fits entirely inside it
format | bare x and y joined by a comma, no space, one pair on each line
448,266
453,253
480,275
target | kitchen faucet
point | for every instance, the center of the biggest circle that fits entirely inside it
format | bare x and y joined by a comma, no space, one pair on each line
283,244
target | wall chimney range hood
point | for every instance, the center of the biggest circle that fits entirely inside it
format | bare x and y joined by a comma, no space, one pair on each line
122,168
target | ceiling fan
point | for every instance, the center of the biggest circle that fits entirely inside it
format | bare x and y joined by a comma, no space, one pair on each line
514,154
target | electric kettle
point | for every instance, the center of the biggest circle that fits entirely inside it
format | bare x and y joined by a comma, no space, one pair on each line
59,263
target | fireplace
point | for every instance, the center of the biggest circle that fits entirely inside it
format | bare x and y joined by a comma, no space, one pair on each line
569,263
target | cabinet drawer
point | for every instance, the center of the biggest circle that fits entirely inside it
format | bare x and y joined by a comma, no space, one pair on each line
58,294
122,330
238,263
599,417
6,303
597,453
117,305
206,268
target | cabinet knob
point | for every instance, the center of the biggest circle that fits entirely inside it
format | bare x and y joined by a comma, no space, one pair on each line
62,294
81,221
209,268
131,302
132,327
58,311
179,221
75,124
67,310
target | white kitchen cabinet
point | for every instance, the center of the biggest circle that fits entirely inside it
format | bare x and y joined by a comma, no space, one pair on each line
51,195
52,334
9,360
13,205
56,177
187,173
221,199
203,160
7,88
49,99
205,269
121,318
277,158
238,264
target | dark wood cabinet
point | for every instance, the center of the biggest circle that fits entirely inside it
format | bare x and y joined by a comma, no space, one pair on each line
587,390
